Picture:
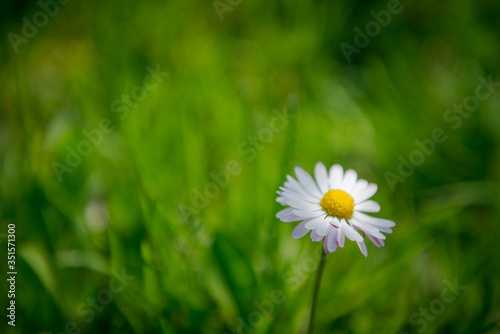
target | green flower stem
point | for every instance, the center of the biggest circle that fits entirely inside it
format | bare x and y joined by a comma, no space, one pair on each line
321,268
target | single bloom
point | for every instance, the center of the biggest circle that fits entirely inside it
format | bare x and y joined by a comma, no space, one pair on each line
332,207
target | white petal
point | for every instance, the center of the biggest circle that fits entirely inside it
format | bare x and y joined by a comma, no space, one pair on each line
350,232
284,213
378,235
384,229
368,206
321,175
362,226
323,228
315,236
340,236
307,182
303,205
295,196
334,221
294,185
377,242
291,218
379,222
308,214
300,230
362,248
315,222
366,193
287,216
350,178
332,240
296,189
281,200
368,229
325,245
336,176
358,188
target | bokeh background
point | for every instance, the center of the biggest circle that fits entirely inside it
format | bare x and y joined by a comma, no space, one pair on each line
195,264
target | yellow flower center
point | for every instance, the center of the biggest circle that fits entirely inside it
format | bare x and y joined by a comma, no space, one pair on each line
338,203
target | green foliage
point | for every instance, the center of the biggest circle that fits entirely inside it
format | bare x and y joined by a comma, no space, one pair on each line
179,187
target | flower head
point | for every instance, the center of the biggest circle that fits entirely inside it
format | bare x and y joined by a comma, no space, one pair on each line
332,207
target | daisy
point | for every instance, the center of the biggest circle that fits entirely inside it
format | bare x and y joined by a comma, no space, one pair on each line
333,207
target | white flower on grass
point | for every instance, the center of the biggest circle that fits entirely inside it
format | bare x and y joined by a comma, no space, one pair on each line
332,207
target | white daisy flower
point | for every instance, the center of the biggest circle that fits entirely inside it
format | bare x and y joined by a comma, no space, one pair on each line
332,207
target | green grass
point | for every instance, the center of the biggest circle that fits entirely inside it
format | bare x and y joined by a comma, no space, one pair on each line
119,209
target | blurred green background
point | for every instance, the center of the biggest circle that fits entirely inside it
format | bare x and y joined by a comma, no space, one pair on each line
128,208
